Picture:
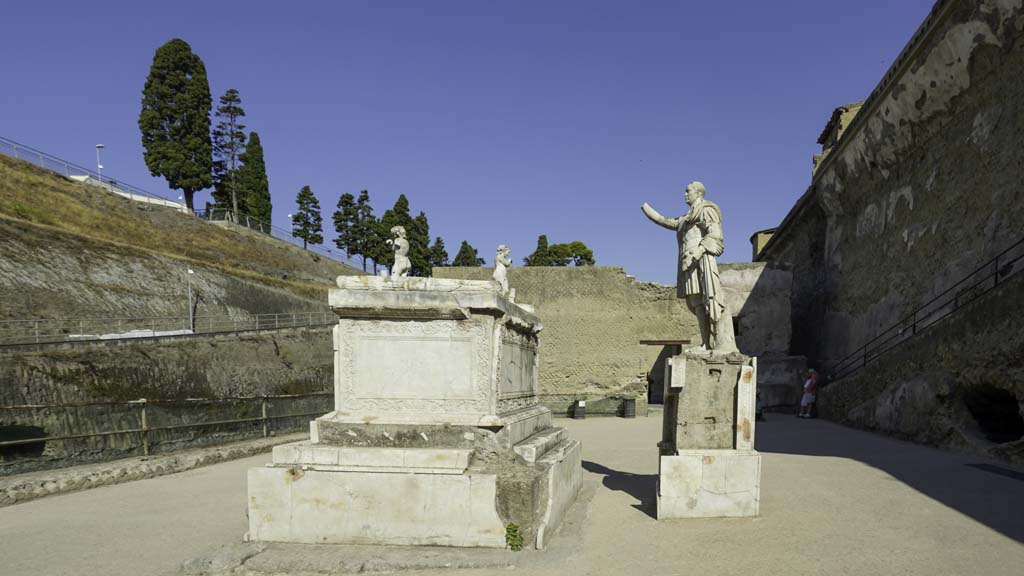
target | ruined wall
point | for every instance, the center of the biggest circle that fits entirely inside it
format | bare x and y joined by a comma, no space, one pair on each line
292,361
595,317
926,185
944,389
923,188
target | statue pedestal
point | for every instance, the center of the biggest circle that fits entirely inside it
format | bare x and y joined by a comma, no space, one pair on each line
436,437
708,465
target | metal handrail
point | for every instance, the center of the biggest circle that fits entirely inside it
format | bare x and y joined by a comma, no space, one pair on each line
944,304
62,330
144,428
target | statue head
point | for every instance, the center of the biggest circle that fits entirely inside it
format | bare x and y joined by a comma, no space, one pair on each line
503,250
694,190
398,231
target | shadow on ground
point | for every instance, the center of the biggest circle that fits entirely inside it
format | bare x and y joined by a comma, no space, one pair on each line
990,492
643,487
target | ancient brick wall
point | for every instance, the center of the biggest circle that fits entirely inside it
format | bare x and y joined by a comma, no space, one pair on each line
594,318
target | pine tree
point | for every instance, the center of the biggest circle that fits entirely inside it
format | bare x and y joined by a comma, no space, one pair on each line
306,221
175,120
253,186
467,256
574,253
369,238
228,145
540,256
419,246
438,255
346,220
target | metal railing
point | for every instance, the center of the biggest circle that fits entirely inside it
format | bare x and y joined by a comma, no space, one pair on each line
72,170
253,223
13,332
951,300
145,429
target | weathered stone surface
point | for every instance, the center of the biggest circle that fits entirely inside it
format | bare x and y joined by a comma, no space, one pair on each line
292,361
596,316
700,410
311,456
311,506
564,473
537,445
435,383
945,389
709,483
24,487
921,190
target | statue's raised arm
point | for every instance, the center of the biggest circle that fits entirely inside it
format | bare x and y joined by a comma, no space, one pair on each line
654,216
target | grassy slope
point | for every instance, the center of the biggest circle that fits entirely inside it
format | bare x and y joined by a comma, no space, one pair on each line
47,200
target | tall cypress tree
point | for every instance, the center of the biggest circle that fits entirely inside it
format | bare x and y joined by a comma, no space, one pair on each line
175,120
346,221
369,239
419,246
438,255
540,256
253,186
467,256
306,221
228,145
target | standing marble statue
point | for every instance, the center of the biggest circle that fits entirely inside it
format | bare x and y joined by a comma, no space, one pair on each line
502,261
700,238
400,245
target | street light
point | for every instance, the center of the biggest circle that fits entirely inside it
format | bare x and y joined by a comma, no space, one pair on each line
99,167
191,320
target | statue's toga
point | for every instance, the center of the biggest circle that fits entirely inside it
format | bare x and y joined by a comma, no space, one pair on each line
700,238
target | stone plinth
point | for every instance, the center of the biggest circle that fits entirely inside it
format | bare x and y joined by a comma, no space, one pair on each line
436,438
708,464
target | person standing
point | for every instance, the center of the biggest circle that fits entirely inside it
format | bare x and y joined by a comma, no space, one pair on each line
810,394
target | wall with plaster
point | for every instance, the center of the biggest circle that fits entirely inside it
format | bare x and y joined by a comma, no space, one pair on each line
924,186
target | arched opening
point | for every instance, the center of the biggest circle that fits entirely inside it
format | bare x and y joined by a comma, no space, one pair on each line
19,432
996,411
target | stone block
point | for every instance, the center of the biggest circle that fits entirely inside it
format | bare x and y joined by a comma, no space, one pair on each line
709,483
537,445
406,460
563,467
343,507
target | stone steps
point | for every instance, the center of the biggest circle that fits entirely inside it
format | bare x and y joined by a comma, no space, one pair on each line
536,446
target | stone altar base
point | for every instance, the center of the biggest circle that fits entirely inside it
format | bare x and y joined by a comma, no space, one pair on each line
436,438
708,466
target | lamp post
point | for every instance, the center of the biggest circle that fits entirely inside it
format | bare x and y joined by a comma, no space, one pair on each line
191,320
99,167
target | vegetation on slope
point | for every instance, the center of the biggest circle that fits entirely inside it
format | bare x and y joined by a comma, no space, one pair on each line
41,197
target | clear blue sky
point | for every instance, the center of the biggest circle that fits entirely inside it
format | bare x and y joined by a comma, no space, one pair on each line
501,120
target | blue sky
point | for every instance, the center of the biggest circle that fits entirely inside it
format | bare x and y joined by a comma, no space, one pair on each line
501,120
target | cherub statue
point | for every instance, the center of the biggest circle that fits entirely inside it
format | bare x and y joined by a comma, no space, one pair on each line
400,245
501,263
